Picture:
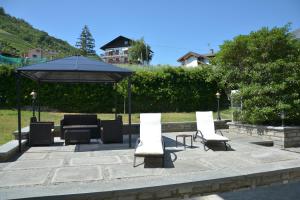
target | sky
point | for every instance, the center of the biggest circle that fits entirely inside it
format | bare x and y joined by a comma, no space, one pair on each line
171,27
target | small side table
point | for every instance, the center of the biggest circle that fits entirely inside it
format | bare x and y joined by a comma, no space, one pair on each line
184,136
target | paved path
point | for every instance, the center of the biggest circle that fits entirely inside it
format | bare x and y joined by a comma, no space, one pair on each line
59,169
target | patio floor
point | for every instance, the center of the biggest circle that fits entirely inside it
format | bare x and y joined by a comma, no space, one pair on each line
94,168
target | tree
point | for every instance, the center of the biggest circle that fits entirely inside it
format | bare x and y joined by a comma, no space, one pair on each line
140,52
86,42
265,67
2,12
237,57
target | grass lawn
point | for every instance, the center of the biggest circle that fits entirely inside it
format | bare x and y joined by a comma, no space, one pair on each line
8,119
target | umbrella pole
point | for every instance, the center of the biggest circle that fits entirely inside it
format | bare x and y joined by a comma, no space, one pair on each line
19,111
38,99
129,109
115,99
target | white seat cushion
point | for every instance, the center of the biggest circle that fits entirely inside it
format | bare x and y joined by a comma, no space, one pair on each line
216,137
153,148
205,124
150,135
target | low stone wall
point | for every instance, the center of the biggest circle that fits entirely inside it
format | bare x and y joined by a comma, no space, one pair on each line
190,189
282,137
10,149
194,189
168,127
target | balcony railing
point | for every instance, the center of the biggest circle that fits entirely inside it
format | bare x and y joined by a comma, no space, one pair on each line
113,55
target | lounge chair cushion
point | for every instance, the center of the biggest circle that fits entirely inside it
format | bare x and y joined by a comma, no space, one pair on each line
216,137
150,128
205,124
154,148
150,135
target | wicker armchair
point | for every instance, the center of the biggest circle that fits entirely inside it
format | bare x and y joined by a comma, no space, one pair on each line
41,133
112,131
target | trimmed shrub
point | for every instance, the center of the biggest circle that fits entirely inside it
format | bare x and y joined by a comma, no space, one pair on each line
275,88
166,90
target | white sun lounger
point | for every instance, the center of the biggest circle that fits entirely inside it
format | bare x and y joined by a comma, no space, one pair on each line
206,129
150,143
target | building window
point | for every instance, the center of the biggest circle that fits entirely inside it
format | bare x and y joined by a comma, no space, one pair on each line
126,42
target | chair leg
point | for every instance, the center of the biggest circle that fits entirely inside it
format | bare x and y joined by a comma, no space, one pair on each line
134,160
195,136
203,142
225,146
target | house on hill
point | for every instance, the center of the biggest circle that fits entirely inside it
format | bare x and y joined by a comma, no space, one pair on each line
40,53
116,51
192,59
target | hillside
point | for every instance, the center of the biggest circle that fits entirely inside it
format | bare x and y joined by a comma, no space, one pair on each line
12,44
17,36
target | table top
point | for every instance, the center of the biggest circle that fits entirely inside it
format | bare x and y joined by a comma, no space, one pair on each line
184,135
79,126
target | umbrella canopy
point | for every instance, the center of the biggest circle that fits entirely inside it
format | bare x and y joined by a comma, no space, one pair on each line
75,69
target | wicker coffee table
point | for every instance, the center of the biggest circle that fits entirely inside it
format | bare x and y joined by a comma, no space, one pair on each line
77,136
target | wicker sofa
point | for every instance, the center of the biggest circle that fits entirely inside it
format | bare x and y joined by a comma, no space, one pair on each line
75,122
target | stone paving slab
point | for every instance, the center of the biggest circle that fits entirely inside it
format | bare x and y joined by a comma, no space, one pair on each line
44,149
63,155
82,174
129,172
100,160
23,177
293,149
112,152
268,157
2,165
33,156
182,167
97,147
34,164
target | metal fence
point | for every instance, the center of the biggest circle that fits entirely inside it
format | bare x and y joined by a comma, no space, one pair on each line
20,61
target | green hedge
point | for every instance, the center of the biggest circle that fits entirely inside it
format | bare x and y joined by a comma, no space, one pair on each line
166,90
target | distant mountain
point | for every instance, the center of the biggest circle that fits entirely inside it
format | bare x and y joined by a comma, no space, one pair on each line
296,33
17,37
